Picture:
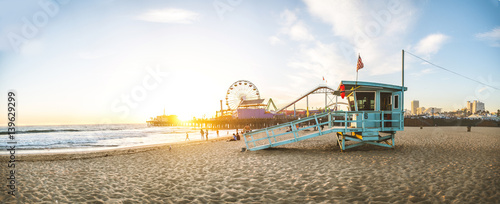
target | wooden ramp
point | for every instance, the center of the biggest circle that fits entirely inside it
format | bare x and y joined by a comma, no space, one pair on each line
345,125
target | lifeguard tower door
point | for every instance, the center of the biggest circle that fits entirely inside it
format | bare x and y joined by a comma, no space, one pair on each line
386,105
396,108
365,101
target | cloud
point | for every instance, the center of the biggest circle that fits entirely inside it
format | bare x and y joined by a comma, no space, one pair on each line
292,27
299,32
275,40
169,15
319,60
288,17
375,29
431,44
362,21
492,37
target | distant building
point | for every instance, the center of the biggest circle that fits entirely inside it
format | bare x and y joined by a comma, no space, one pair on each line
432,110
477,106
414,107
252,109
469,107
420,110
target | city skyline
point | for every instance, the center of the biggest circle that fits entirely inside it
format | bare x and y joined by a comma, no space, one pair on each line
74,62
473,107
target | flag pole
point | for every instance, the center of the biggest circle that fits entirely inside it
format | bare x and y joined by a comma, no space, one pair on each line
356,77
403,81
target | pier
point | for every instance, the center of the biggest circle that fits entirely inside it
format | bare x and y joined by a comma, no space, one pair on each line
236,123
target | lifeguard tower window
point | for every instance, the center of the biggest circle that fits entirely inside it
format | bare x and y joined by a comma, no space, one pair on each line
396,102
351,102
365,100
385,101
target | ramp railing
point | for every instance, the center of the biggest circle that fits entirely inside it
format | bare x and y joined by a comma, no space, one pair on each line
321,124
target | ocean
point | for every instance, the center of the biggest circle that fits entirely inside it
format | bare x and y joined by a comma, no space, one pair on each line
70,138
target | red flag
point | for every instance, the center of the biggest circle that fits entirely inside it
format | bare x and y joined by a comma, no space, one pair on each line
342,91
360,63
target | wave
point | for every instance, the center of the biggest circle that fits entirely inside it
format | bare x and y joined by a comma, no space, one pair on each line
72,128
84,136
41,131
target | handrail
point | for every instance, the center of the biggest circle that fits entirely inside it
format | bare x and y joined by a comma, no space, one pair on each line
348,119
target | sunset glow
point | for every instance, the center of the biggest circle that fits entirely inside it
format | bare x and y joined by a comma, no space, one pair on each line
124,61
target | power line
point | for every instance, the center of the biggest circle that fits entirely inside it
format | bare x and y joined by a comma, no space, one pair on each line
451,71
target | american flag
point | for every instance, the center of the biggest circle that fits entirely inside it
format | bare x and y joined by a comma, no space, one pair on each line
360,63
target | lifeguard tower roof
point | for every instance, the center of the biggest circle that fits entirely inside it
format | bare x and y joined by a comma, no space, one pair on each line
367,86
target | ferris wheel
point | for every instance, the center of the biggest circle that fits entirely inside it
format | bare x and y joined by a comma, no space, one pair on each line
241,90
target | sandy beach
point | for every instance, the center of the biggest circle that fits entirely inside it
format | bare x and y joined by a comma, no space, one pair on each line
430,165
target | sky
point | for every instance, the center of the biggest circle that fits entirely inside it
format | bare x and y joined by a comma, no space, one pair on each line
105,61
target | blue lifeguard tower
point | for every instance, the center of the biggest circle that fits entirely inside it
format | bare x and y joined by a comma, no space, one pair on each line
375,113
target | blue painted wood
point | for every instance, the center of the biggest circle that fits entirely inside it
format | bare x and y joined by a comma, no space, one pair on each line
259,139
386,137
246,142
353,145
343,143
284,142
269,138
285,133
379,144
393,88
260,147
368,133
376,138
309,136
295,131
352,139
251,136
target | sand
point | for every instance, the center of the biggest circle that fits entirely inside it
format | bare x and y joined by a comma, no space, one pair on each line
432,165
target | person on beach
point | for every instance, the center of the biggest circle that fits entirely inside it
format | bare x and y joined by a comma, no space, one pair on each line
206,134
217,133
187,137
237,136
233,139
202,133
247,128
